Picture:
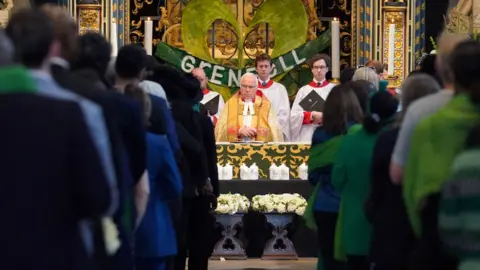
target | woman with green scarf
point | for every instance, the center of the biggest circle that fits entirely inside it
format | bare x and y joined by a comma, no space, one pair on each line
436,141
351,178
342,110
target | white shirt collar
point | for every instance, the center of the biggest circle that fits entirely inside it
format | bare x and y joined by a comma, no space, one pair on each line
60,61
261,82
320,82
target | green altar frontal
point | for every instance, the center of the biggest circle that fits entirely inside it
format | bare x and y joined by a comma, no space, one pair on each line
263,155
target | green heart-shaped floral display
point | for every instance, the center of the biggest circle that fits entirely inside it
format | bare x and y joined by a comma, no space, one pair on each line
288,20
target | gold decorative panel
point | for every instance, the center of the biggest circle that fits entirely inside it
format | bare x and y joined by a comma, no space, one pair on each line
263,155
397,15
89,18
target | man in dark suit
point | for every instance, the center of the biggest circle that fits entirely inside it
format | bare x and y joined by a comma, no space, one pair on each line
124,123
52,176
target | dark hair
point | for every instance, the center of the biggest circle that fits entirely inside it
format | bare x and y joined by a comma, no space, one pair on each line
473,138
318,57
428,65
341,108
382,108
347,74
263,57
94,53
65,29
465,66
130,62
32,35
363,90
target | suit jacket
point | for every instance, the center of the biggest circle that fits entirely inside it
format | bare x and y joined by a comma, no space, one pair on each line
52,178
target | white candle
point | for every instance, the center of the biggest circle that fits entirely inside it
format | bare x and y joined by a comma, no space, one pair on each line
335,48
391,48
114,37
147,41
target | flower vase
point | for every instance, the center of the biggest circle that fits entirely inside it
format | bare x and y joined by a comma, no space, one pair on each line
229,246
279,247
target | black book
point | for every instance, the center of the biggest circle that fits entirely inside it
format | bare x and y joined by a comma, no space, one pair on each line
312,102
212,105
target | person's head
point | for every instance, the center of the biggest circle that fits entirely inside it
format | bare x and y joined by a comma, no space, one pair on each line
385,71
65,31
346,75
131,63
192,88
6,50
417,86
152,63
32,34
446,43
363,90
201,77
465,65
366,74
248,86
142,98
382,109
263,66
341,108
376,66
94,53
319,64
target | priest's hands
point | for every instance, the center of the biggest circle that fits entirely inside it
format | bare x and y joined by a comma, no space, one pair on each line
247,132
317,117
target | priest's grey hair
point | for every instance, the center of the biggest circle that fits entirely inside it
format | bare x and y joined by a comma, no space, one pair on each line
6,50
248,75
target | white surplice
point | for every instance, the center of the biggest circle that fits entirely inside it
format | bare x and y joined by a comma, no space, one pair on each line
278,96
209,95
300,131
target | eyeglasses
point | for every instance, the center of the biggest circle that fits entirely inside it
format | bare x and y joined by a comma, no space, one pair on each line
319,67
248,86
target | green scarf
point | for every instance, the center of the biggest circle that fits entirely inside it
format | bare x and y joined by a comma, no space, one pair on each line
16,79
436,141
323,154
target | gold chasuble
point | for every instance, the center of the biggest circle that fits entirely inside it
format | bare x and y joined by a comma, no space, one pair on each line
263,119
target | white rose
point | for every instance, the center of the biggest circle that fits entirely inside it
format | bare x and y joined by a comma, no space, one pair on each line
291,208
300,211
281,208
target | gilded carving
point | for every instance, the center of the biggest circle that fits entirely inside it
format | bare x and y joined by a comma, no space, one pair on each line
89,20
263,155
398,18
139,5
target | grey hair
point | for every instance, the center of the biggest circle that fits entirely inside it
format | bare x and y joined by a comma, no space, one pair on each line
248,74
417,86
6,49
366,74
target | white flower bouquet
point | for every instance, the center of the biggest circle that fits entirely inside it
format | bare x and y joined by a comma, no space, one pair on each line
280,203
232,203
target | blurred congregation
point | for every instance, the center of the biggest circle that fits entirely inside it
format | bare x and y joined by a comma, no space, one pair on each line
111,163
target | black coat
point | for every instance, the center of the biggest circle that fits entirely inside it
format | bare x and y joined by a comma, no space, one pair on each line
51,179
392,238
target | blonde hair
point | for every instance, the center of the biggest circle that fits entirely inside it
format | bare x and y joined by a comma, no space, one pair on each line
366,74
65,29
446,44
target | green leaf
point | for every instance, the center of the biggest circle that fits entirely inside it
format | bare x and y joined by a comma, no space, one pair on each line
289,22
197,17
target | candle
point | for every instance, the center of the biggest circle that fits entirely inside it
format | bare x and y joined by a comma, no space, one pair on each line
147,42
114,37
335,48
391,48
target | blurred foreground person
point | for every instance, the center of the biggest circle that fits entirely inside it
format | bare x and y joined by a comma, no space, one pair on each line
53,180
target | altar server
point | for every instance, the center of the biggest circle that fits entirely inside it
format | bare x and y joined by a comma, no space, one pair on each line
306,114
248,116
209,96
275,92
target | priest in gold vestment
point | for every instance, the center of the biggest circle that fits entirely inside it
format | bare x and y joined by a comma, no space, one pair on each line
248,116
